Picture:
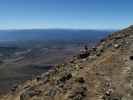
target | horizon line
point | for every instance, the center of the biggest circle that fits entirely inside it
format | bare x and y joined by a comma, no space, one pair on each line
15,29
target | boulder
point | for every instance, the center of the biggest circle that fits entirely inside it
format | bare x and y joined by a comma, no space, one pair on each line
29,93
38,78
131,57
80,80
51,92
83,55
14,87
65,77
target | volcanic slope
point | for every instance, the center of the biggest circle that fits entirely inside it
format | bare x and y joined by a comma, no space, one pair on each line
104,72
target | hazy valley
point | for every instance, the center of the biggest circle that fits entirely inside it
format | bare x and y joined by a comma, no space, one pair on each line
27,53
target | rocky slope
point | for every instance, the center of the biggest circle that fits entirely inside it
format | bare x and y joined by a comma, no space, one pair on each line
103,73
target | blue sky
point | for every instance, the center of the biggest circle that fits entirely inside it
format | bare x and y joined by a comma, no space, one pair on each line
74,14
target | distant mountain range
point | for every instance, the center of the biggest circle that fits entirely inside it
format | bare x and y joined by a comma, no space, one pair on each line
52,35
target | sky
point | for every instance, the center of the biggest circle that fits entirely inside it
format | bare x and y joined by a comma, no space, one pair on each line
66,14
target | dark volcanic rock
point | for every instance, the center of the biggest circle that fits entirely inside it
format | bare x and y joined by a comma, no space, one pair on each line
83,55
52,92
29,93
131,57
65,77
80,80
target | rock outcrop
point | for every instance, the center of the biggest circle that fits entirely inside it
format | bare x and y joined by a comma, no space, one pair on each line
103,73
